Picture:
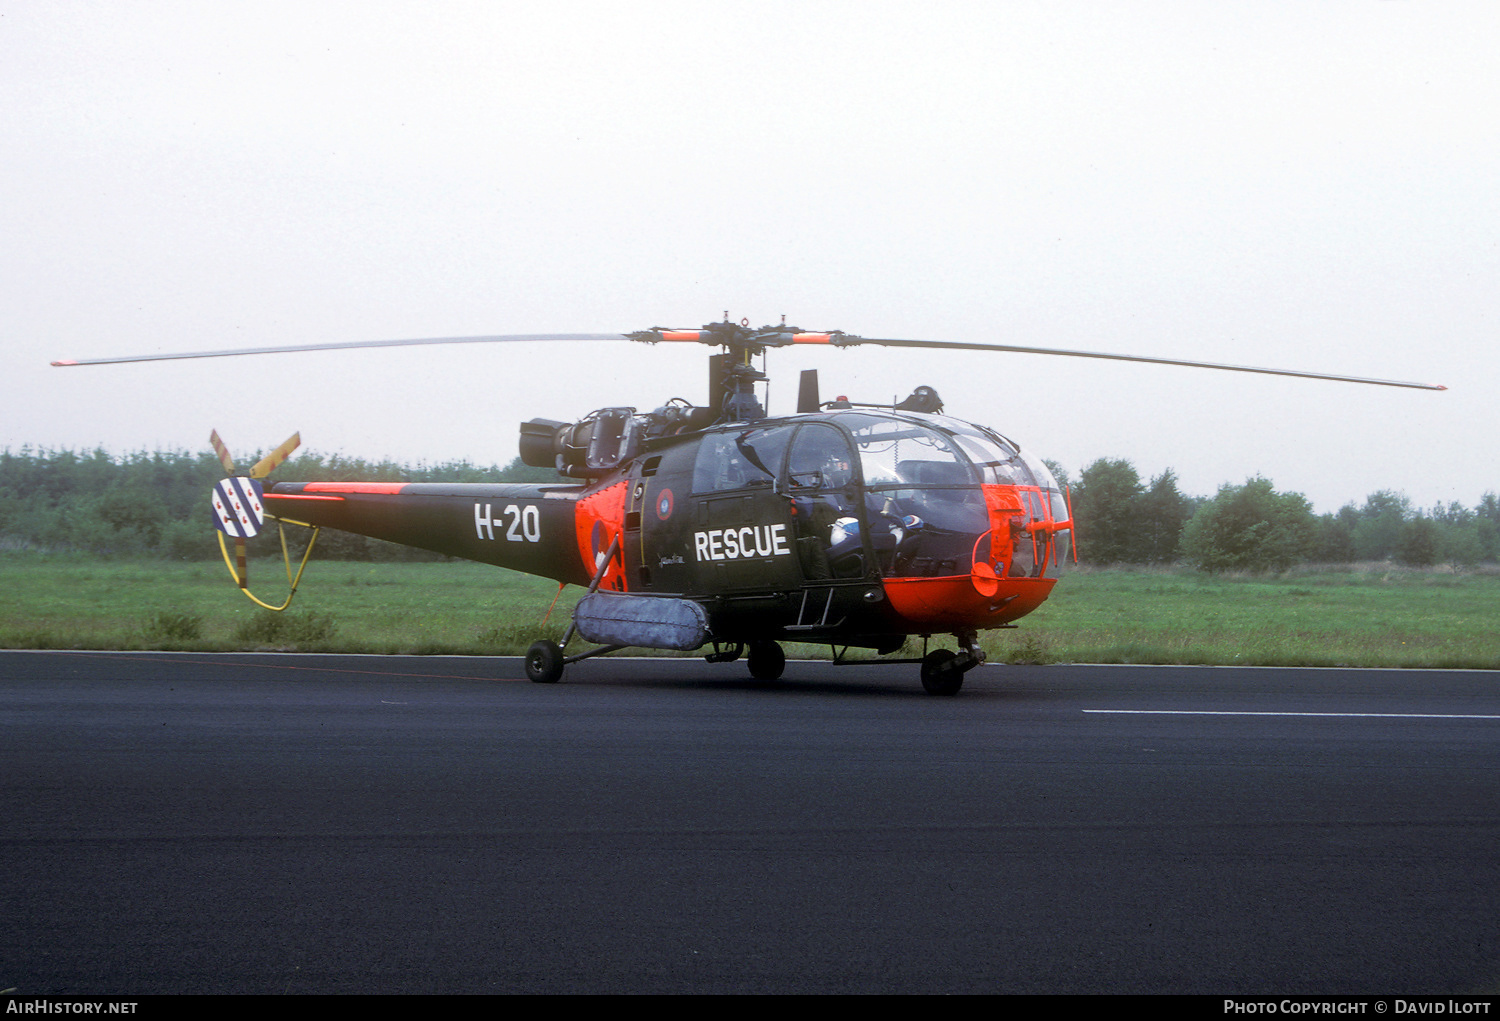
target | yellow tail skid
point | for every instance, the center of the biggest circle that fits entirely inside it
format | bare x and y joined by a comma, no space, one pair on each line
238,573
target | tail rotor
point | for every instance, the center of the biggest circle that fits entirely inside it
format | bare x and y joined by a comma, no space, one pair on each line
239,511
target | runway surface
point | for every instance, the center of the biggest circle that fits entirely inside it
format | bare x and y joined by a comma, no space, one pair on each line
318,824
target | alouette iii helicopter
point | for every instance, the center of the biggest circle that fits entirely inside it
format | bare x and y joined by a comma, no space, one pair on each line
847,524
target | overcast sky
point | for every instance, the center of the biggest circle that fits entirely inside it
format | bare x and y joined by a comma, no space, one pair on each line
1300,185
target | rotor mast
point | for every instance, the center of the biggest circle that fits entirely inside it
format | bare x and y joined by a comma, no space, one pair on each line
734,375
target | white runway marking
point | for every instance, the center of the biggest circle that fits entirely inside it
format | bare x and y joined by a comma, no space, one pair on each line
1227,712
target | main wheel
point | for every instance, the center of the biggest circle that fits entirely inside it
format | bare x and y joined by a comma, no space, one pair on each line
544,662
766,661
939,677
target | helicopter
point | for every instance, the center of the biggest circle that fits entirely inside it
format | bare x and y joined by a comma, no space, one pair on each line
855,525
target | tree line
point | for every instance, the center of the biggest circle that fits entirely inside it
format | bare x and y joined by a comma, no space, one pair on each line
155,504
1123,520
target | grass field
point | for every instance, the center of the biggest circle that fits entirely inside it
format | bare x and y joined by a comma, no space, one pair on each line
1371,616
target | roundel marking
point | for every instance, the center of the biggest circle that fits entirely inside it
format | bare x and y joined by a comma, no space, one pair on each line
664,505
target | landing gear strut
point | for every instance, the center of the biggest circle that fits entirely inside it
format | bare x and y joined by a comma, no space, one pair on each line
545,659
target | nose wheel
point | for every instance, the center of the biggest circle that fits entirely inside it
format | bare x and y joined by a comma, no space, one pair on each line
940,673
766,661
943,669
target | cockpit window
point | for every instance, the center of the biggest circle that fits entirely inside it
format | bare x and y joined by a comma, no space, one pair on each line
1039,471
820,459
893,452
998,462
736,460
916,473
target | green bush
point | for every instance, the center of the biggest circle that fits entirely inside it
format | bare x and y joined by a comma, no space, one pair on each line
1250,528
173,626
286,629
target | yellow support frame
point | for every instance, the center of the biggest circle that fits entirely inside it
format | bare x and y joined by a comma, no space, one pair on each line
286,557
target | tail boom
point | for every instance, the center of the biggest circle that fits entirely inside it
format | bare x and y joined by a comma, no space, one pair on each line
527,528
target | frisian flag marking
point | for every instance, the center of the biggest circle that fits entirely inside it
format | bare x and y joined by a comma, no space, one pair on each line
238,511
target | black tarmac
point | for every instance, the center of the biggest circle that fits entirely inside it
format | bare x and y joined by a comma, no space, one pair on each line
192,823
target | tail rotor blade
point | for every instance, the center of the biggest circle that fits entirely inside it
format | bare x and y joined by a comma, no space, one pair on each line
241,570
222,451
268,464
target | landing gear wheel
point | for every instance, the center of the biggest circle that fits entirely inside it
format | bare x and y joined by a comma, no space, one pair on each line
939,675
766,661
544,662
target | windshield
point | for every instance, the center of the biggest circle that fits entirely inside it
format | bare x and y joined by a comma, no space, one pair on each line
926,506
893,452
998,462
912,469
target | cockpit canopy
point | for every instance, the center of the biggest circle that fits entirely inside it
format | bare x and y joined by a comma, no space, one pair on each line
914,472
880,450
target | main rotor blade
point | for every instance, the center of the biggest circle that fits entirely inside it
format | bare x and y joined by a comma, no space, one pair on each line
769,337
268,464
346,346
846,340
772,337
